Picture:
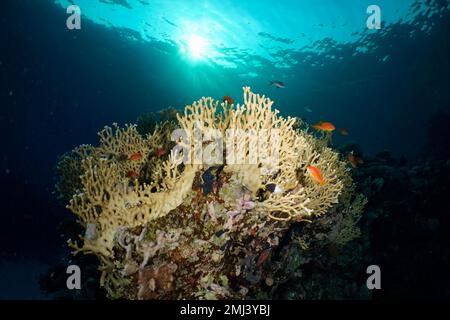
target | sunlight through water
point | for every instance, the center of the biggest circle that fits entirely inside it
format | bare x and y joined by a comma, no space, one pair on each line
247,34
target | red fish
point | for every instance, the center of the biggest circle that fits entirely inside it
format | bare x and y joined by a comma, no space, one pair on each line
316,175
228,99
132,175
354,160
324,126
135,156
160,152
343,131
263,257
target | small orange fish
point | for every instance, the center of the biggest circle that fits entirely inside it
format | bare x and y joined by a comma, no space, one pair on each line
228,99
354,160
160,152
135,156
324,126
263,257
316,175
133,175
343,131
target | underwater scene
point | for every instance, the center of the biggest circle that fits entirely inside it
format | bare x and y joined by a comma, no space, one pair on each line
225,150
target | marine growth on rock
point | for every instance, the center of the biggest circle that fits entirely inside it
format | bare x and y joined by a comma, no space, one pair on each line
172,223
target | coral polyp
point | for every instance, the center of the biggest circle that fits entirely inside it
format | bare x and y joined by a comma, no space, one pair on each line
166,226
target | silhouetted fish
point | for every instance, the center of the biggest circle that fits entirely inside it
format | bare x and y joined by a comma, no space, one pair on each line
277,84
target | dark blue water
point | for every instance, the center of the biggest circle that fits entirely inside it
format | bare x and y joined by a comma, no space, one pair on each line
60,87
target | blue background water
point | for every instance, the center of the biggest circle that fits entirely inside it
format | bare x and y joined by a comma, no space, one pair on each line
60,86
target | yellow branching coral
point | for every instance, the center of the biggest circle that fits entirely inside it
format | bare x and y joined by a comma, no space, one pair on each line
233,172
346,228
294,149
107,199
69,170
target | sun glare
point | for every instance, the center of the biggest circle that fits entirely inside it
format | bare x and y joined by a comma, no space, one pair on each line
197,47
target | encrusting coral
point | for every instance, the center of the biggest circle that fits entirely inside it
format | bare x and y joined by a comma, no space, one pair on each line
168,222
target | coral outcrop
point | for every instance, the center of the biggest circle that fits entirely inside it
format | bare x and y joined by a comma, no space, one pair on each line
199,212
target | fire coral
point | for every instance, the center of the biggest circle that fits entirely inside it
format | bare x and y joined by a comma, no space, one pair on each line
180,230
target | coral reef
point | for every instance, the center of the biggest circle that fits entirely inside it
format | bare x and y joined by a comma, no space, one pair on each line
148,122
407,225
168,222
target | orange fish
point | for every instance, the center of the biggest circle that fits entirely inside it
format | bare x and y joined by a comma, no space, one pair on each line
263,257
228,99
343,131
324,126
316,175
133,175
160,152
136,156
354,160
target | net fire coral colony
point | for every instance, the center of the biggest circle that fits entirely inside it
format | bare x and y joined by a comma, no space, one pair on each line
166,229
